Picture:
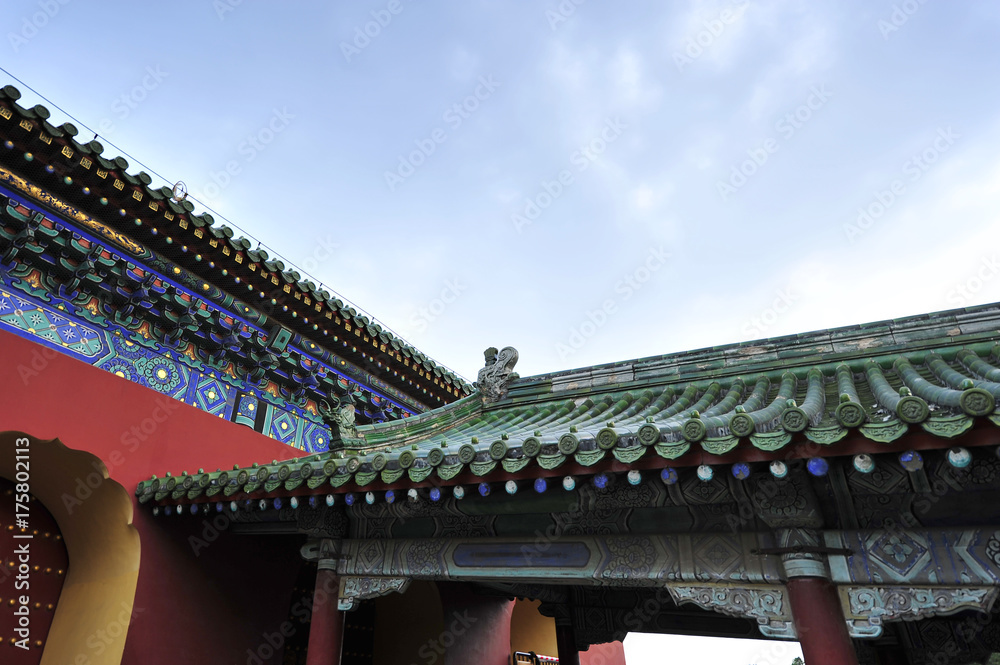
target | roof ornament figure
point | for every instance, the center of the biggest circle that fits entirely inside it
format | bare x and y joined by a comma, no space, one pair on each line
498,374
339,414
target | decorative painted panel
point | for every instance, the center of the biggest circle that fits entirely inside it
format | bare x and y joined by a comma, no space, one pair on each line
49,326
135,356
73,284
246,413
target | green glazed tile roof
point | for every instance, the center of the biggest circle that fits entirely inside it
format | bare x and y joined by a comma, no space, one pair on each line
935,374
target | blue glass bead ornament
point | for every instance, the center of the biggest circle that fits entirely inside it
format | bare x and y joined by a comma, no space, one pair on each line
818,466
911,461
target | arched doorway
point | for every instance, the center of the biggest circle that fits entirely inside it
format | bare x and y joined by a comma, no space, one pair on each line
93,515
34,563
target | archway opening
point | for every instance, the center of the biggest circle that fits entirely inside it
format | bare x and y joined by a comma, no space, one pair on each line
94,515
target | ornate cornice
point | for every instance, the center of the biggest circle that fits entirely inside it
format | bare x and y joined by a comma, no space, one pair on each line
768,606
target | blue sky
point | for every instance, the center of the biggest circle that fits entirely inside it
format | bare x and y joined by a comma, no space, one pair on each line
586,182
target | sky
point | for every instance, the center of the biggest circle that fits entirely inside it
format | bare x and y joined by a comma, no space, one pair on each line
586,181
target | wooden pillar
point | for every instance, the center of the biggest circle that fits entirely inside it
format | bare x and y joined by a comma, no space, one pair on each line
566,645
819,622
816,610
326,631
476,628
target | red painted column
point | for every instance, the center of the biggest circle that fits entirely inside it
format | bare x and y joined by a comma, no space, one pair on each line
609,653
819,622
566,645
476,628
326,631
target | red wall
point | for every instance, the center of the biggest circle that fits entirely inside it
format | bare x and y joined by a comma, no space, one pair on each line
190,608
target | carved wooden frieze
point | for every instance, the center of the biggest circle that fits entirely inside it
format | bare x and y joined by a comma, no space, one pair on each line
610,560
868,608
767,605
355,589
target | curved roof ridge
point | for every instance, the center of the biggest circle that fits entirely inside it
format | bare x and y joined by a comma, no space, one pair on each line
935,330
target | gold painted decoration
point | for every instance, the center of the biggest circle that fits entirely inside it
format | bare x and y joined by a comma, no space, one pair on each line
35,279
71,212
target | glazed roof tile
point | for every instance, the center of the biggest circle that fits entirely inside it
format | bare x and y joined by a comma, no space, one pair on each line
792,396
180,215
